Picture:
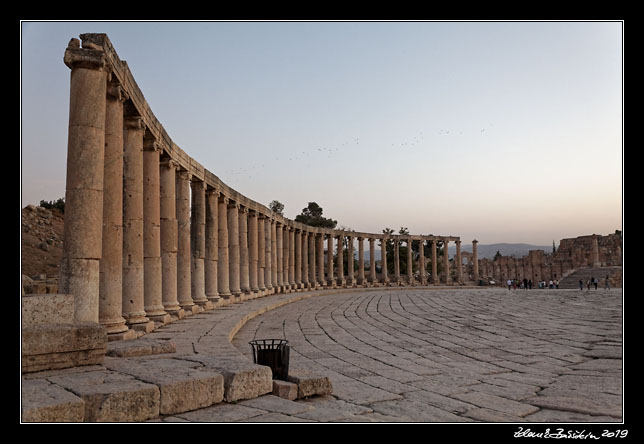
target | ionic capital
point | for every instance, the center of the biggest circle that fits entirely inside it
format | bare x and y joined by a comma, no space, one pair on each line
90,56
183,175
151,145
169,163
116,92
133,122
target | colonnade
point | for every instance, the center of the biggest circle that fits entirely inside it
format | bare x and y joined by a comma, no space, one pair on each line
152,236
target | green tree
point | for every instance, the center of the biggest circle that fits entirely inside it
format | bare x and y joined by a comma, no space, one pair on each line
497,255
312,215
277,207
58,204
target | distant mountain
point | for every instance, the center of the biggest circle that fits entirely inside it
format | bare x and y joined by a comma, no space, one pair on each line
488,251
484,251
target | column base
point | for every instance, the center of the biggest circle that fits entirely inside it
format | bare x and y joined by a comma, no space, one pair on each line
143,327
175,315
122,336
160,319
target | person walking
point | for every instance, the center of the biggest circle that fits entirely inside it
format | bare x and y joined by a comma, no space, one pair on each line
509,284
607,284
581,284
595,282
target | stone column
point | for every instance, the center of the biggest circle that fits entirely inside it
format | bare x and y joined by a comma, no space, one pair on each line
169,241
268,255
434,263
291,258
79,270
312,278
305,259
330,281
233,249
111,264
184,289
373,279
350,275
341,281
223,265
595,253
153,297
244,257
285,257
320,260
198,245
261,252
276,284
397,261
410,265
212,246
253,252
298,259
475,259
459,263
361,280
383,260
421,262
133,268
279,240
447,278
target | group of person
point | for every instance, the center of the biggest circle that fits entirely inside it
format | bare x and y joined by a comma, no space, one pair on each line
594,282
526,284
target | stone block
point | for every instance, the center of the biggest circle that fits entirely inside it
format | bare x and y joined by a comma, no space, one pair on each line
310,383
140,347
55,346
242,380
183,385
42,401
285,389
47,309
111,396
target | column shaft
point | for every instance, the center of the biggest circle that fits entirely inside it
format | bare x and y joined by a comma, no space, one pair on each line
397,261
268,254
169,241
320,259
305,259
153,298
233,249
372,261
361,280
183,243
261,252
410,267
133,284
111,264
198,245
312,278
212,246
79,271
434,263
253,253
446,277
341,281
244,256
298,258
383,260
223,266
329,261
291,259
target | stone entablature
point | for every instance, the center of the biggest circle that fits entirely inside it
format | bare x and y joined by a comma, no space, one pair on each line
152,235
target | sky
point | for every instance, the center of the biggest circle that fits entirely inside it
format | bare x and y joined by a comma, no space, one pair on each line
495,131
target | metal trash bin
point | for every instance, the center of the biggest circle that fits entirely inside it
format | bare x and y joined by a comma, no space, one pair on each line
273,353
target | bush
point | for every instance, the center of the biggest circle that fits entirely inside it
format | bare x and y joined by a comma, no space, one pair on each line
58,204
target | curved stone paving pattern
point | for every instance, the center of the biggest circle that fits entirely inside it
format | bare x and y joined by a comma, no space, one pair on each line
457,355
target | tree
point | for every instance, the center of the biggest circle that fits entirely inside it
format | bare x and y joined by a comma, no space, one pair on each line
58,205
277,207
498,255
312,215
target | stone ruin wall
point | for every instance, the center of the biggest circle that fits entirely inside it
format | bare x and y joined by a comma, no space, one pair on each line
592,251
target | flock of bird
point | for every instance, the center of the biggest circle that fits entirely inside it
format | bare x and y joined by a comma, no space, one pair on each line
331,151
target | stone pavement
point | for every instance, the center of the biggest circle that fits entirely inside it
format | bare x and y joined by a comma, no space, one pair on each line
392,354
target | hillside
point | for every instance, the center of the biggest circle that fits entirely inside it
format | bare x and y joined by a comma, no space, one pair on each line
41,241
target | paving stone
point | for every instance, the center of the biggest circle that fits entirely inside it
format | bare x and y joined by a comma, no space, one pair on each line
183,385
285,389
310,383
43,401
140,347
576,405
273,403
111,396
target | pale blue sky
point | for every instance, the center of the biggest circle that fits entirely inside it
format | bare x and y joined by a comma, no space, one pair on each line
499,131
